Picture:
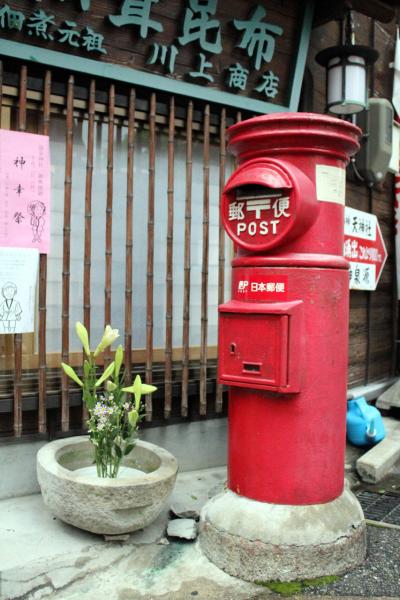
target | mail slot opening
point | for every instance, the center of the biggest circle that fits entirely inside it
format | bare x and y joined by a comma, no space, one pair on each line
251,367
255,193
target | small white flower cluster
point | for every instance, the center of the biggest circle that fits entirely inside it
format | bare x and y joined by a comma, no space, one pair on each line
102,412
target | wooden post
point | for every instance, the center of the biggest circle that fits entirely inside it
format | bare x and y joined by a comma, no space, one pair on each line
42,415
204,271
67,252
150,254
129,238
23,81
87,258
109,208
186,284
169,265
221,239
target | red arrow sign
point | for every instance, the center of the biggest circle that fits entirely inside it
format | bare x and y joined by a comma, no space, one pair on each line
364,248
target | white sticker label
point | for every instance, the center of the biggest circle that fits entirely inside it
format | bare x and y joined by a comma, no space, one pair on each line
330,183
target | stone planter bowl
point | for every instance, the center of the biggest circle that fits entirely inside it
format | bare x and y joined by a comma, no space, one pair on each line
103,505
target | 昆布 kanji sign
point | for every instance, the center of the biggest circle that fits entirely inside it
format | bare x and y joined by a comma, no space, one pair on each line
364,248
237,53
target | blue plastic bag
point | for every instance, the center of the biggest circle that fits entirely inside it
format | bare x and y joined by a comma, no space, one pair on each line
364,423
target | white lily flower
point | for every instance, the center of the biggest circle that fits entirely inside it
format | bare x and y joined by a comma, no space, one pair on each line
109,336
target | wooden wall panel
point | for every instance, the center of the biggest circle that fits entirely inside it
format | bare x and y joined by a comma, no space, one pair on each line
373,326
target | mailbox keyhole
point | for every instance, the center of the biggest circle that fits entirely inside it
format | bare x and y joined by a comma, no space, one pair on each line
233,348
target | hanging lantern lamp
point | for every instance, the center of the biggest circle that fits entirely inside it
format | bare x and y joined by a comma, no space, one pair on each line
346,74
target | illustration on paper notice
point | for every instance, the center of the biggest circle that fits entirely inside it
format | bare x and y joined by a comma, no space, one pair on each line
10,308
24,190
18,277
37,211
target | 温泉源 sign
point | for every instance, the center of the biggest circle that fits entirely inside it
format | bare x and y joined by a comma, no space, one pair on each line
364,248
249,55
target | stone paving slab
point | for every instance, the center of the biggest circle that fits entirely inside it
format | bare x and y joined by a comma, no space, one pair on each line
29,532
40,557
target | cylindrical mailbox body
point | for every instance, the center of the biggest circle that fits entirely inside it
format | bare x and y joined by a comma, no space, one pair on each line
283,336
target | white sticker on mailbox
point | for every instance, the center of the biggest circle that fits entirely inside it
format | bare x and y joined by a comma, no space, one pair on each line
330,183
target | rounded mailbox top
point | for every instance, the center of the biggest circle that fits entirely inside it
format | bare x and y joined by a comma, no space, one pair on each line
293,132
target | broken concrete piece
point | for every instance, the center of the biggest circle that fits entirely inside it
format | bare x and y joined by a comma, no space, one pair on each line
377,462
188,513
163,542
390,397
182,528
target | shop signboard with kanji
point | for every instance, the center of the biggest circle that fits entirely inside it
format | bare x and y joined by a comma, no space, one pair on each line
364,248
248,55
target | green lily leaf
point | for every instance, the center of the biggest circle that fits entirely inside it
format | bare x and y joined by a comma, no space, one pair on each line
128,449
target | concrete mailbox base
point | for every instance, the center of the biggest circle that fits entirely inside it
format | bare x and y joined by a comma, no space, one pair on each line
258,541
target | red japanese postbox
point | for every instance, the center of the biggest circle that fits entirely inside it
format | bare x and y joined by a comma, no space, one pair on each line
283,336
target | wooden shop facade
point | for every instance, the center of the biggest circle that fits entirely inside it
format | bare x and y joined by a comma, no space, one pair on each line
136,97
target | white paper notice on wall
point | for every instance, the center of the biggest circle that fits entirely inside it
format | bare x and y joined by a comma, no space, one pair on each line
18,277
330,184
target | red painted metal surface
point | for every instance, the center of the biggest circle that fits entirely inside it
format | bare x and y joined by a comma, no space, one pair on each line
283,336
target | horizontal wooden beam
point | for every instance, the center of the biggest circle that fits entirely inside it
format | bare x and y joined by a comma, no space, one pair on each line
138,356
335,11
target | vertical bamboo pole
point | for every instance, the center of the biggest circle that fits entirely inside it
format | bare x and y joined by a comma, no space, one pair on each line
43,281
110,174
186,283
221,239
204,272
67,251
169,266
87,258
150,253
129,238
18,336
